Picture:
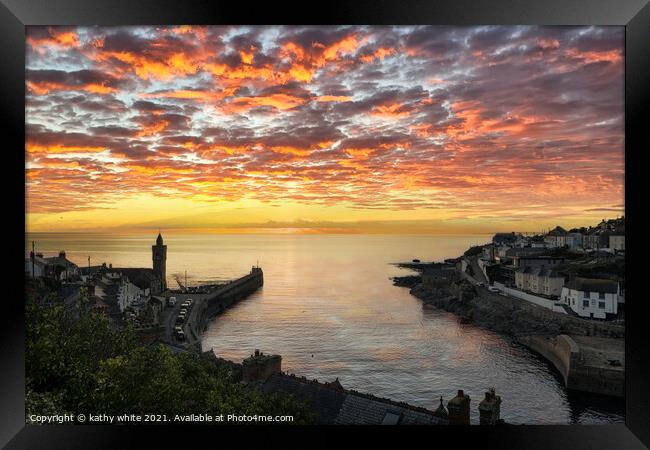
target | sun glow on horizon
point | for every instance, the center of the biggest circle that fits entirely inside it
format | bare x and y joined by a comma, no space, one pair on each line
347,129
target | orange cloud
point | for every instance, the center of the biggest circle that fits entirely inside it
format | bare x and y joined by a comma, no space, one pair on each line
42,88
56,148
278,101
390,111
333,98
153,129
54,38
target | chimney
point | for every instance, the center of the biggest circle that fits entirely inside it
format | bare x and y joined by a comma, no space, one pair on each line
258,367
459,409
490,408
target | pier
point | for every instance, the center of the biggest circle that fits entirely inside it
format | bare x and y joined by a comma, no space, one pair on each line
205,306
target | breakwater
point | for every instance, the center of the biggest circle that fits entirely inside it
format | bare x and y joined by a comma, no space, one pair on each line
222,298
207,305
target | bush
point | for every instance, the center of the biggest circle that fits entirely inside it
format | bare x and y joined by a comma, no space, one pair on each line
77,363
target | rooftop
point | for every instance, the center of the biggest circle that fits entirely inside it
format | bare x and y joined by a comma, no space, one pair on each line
336,405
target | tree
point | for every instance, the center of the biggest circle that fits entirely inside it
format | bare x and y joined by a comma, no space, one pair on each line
77,363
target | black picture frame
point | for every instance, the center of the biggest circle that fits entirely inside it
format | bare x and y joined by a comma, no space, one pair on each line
16,14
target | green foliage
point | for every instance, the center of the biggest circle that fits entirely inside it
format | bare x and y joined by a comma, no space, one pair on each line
43,403
610,270
77,363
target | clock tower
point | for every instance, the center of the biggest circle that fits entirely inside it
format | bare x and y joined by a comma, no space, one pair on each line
159,256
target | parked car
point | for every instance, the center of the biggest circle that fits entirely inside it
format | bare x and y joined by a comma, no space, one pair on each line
493,289
180,336
178,328
183,311
180,319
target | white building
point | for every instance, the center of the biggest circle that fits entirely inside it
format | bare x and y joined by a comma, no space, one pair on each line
591,298
129,294
574,240
37,269
617,241
539,280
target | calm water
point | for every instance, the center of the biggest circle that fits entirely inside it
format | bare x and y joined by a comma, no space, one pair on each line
329,308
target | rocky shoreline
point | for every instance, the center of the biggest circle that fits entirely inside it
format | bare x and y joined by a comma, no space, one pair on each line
505,315
543,331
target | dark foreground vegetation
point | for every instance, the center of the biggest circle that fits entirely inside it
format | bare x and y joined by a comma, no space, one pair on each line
77,363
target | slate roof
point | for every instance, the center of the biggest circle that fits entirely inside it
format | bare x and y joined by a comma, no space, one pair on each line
544,272
326,402
59,261
335,405
142,277
526,251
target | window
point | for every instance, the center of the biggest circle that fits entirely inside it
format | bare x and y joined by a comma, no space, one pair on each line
601,295
601,305
585,303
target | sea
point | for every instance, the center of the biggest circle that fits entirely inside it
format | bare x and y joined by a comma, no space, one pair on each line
329,308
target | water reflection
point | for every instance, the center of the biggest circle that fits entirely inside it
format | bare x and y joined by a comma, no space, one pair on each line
329,308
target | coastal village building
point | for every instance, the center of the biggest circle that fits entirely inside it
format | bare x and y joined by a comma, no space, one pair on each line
617,241
129,295
57,267
574,240
537,261
35,266
143,277
539,280
489,252
525,251
591,298
596,239
556,237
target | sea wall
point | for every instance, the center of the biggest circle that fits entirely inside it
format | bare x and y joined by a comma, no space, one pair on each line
578,374
561,351
536,299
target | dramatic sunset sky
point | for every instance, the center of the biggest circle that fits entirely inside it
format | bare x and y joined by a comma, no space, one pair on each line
323,129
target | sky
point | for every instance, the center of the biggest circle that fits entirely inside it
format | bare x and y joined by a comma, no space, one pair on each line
346,129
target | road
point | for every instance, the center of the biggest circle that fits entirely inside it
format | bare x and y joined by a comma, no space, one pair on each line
172,312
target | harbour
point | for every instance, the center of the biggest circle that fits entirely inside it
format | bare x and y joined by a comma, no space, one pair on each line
329,308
